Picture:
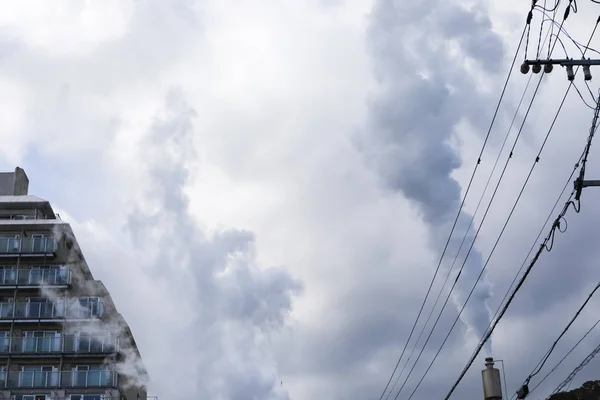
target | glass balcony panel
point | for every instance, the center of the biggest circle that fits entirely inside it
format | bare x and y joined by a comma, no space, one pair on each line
28,245
8,276
46,310
6,310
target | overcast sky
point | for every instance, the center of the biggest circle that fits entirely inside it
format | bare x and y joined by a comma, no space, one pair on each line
265,187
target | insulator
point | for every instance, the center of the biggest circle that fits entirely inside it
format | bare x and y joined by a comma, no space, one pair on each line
524,68
537,68
548,68
570,73
587,74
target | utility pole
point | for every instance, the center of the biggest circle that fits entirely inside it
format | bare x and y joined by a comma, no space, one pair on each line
580,182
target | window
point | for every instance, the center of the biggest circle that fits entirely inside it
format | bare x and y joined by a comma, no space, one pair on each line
98,342
39,307
33,376
91,376
39,243
8,274
41,342
89,307
30,397
4,342
2,377
9,243
86,397
48,274
6,307
42,307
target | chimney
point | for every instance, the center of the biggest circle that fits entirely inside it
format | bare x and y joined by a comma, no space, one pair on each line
492,389
14,183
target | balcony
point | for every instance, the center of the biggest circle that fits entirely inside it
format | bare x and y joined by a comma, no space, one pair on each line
56,379
49,310
35,277
16,217
34,245
68,344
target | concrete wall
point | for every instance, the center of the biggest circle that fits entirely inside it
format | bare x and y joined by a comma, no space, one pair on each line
14,183
21,187
7,183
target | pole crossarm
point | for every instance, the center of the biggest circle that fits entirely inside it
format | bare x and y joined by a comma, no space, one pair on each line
563,62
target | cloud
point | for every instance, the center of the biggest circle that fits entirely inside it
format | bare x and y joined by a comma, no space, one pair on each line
181,199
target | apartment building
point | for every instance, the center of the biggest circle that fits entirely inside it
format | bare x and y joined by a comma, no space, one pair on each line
61,336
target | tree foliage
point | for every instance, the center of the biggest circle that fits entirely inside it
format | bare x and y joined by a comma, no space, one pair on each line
588,391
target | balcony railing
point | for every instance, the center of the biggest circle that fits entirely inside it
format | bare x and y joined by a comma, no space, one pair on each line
16,217
55,379
56,345
49,310
35,277
28,245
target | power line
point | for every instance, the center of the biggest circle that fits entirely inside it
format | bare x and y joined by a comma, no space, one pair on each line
547,244
572,375
457,214
564,357
541,363
553,208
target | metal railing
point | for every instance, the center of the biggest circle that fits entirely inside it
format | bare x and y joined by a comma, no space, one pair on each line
16,217
64,344
35,277
85,396
28,245
56,379
59,309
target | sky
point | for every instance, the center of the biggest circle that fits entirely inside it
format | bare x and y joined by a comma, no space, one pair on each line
266,187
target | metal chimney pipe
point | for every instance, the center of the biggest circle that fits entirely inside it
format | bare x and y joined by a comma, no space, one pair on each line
492,386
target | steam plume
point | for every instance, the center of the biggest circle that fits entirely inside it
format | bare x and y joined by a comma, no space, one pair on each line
425,92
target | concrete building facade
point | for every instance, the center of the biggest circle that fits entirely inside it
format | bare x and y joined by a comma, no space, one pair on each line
61,336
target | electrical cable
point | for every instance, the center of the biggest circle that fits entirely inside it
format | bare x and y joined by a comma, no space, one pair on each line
547,244
564,357
495,322
459,211
566,33
577,369
567,183
556,4
581,97
544,359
